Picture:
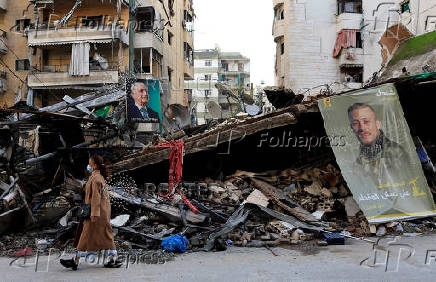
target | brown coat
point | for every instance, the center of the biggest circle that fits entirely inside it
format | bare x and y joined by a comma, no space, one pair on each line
97,235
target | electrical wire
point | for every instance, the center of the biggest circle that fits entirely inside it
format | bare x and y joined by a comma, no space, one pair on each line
11,71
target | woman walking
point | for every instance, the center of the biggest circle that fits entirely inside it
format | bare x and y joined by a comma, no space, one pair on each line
97,233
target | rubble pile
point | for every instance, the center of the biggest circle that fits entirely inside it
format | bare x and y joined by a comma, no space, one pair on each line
249,209
303,201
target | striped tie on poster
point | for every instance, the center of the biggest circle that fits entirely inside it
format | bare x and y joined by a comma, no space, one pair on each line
378,160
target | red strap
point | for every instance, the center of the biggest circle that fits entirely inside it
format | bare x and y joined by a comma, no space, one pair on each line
176,168
176,164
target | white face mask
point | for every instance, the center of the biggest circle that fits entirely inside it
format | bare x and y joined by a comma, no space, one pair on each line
89,168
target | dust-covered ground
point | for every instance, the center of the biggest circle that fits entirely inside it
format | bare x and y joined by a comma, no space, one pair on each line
410,259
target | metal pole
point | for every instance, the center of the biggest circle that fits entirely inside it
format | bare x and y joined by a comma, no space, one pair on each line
132,21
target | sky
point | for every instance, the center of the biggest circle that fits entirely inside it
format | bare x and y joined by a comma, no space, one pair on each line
238,25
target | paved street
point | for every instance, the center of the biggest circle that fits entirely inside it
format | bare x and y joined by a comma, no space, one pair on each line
254,264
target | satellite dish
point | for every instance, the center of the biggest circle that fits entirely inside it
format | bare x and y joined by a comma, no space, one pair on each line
252,110
178,115
214,109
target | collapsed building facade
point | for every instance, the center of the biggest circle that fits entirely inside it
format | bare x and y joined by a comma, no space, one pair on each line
287,192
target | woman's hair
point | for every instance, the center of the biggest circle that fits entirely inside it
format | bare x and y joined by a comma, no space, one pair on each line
102,166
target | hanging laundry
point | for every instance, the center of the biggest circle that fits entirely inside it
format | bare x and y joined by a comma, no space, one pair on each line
346,38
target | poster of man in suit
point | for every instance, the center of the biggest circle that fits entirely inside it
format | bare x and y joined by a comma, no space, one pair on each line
143,102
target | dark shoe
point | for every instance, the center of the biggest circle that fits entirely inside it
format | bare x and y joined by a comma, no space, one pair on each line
113,264
69,263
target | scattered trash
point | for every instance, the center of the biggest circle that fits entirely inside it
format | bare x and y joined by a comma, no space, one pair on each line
334,238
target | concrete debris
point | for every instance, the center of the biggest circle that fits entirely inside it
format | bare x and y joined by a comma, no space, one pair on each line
314,189
351,206
256,197
120,220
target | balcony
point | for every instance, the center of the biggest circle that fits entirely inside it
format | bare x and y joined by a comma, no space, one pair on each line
224,71
50,36
58,76
348,21
349,6
3,4
188,70
188,5
3,42
148,3
148,39
353,85
278,2
42,2
351,56
187,37
278,29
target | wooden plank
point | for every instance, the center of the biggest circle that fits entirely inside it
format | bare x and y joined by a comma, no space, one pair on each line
272,193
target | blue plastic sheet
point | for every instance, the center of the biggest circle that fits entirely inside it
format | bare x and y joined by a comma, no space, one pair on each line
175,244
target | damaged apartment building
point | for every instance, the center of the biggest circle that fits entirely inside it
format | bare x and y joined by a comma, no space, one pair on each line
51,48
354,39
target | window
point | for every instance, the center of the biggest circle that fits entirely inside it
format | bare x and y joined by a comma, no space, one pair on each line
207,77
225,66
26,23
359,42
92,21
188,54
22,24
170,74
21,65
145,19
187,16
208,63
349,6
352,74
206,93
282,48
170,37
171,7
405,7
282,15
